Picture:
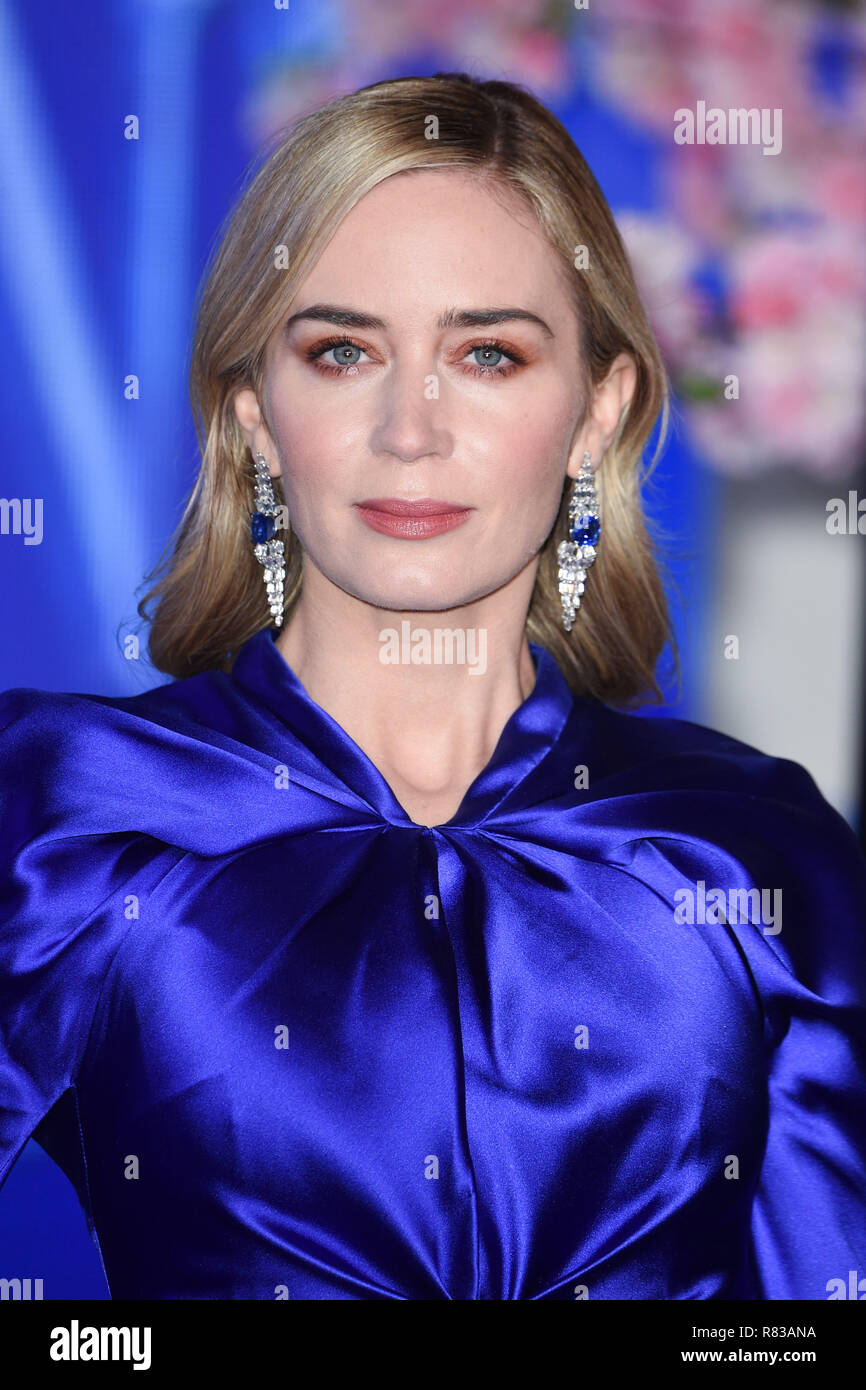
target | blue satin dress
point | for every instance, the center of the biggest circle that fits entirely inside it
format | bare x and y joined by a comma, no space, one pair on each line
288,1043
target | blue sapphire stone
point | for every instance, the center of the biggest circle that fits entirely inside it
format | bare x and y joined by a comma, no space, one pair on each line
586,530
262,528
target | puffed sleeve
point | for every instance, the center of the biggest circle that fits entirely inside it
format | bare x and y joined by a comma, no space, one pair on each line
61,913
804,959
809,1209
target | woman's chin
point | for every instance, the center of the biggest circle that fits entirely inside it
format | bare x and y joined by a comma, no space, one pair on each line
409,596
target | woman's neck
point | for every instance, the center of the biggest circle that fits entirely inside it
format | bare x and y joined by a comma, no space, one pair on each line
425,695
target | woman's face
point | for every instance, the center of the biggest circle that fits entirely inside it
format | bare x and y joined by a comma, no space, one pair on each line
390,391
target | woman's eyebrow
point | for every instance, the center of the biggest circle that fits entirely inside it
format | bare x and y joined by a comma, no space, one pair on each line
452,318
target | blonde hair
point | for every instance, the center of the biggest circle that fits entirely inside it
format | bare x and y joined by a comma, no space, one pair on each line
211,598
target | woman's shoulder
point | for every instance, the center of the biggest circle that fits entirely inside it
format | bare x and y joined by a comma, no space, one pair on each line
690,809
75,763
665,779
683,754
199,764
205,701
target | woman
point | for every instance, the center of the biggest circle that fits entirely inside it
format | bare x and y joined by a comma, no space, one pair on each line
385,952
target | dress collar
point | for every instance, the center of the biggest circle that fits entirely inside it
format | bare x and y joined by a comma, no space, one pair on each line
529,733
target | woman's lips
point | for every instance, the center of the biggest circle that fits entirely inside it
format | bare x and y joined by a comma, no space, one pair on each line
396,516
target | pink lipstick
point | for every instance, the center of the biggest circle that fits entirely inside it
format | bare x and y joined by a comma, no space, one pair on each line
411,520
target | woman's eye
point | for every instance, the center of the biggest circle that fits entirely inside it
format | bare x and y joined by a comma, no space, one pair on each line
341,356
346,354
488,352
495,360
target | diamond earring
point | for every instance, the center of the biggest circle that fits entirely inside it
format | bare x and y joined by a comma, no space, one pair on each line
577,554
269,552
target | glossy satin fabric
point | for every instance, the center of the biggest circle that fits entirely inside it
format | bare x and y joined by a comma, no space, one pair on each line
510,1073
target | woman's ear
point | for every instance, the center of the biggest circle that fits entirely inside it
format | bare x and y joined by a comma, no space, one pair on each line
248,414
610,398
